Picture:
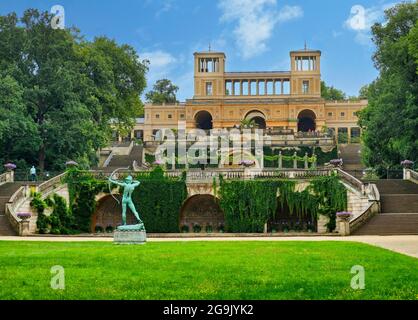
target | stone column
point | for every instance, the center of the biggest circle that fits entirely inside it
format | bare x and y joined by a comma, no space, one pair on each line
305,158
280,160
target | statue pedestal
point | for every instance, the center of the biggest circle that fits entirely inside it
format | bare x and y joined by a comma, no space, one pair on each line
129,236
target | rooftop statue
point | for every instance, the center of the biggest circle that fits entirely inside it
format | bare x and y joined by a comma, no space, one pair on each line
128,185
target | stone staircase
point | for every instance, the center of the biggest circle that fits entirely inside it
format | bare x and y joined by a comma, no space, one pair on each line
6,192
351,155
125,161
399,207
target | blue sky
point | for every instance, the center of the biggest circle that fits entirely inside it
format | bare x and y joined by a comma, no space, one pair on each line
254,34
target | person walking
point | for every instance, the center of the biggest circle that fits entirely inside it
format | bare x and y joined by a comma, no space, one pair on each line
33,173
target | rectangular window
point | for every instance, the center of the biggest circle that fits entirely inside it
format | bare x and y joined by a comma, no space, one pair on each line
170,116
237,88
329,114
228,88
286,87
209,88
157,116
342,114
181,115
305,86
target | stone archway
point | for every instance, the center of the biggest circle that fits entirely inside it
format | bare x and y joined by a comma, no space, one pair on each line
109,214
306,121
258,117
201,209
203,120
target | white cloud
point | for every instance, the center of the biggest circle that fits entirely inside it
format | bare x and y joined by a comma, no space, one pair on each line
255,21
361,20
161,64
166,6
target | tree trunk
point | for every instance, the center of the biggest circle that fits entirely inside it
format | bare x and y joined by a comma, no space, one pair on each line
41,158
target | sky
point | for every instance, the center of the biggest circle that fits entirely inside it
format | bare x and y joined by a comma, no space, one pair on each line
256,35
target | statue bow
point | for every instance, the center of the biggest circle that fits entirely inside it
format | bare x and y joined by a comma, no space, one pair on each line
110,177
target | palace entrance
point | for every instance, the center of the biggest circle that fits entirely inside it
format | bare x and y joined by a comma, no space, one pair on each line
306,121
203,120
258,118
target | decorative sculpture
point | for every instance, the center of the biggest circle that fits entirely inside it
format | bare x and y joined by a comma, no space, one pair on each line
128,185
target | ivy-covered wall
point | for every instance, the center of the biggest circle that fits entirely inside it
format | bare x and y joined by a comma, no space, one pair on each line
248,205
159,201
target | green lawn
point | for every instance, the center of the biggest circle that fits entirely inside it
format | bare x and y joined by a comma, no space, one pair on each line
205,270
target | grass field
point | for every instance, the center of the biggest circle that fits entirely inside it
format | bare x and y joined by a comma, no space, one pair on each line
205,270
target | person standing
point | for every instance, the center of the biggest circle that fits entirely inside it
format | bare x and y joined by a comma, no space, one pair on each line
33,173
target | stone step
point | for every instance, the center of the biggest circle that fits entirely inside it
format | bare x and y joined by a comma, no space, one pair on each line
391,224
5,228
403,203
396,187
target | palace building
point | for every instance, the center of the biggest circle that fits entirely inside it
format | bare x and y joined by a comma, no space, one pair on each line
279,101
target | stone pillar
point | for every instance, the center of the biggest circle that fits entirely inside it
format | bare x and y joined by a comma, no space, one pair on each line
280,160
249,87
305,158
295,161
322,224
274,87
24,228
258,87
265,87
343,226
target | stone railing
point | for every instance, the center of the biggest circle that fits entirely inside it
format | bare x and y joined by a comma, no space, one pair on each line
352,181
411,175
6,177
108,159
20,227
48,186
370,212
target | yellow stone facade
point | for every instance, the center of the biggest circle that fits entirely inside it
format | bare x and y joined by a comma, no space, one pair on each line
273,99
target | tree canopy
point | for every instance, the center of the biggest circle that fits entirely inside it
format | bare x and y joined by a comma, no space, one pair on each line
60,91
390,121
164,91
331,93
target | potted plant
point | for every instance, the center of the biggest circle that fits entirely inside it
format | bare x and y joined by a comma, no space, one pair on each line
10,166
247,163
407,164
197,228
336,162
71,163
185,228
344,215
24,215
209,228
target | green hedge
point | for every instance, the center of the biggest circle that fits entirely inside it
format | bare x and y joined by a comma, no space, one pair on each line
159,201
